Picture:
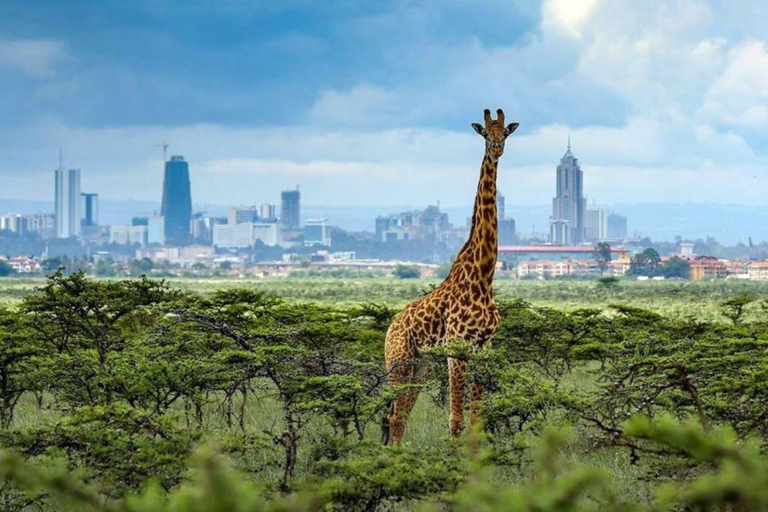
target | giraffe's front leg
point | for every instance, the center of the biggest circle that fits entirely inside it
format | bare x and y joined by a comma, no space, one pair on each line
456,380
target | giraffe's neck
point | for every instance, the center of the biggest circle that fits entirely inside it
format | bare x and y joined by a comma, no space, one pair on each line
481,249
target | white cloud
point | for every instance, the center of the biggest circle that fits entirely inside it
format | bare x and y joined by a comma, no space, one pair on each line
363,105
739,96
36,58
685,100
568,16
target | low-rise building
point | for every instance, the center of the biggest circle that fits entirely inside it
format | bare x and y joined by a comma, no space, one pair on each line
244,235
707,267
758,270
128,235
427,224
620,266
24,265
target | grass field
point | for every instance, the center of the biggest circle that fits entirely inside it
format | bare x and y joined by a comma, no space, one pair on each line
698,299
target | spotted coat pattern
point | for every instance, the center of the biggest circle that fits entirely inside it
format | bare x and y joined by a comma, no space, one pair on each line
462,308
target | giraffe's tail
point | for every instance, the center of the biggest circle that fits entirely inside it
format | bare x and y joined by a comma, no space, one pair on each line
385,422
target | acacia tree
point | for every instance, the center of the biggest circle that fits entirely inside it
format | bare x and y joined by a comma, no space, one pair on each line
18,371
647,263
602,255
84,324
315,361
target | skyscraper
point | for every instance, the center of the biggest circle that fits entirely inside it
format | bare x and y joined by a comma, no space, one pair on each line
177,201
500,205
62,224
73,202
90,209
617,226
595,224
267,212
240,214
568,205
290,209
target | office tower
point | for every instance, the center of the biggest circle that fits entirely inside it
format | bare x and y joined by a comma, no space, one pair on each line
267,212
500,205
73,202
595,224
290,209
62,224
617,226
568,205
16,223
156,230
200,229
90,209
316,232
240,214
43,224
507,232
177,201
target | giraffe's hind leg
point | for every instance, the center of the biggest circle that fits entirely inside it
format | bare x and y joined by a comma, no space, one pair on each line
407,375
457,370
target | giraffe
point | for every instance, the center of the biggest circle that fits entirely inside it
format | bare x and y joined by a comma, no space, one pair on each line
461,308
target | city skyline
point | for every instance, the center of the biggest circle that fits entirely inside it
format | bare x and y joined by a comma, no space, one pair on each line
665,107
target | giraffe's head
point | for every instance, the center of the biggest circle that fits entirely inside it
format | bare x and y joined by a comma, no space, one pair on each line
495,133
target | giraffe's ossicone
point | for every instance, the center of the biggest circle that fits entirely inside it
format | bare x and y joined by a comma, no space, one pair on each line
461,308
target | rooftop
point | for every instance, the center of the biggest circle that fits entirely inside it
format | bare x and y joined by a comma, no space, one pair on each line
555,249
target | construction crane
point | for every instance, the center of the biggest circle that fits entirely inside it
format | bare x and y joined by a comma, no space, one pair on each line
165,147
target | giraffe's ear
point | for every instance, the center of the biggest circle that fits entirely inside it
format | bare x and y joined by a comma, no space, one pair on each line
510,129
479,129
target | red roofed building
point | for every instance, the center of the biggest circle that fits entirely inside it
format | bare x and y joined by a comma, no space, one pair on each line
24,265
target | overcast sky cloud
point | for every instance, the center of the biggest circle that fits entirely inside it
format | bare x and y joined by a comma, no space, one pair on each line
370,102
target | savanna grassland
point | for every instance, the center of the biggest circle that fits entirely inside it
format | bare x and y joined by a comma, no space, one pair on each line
675,298
239,394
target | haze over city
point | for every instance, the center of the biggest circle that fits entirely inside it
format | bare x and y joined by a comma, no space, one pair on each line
368,103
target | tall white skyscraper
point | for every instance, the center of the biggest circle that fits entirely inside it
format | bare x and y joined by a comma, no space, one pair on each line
595,224
568,205
62,218
74,205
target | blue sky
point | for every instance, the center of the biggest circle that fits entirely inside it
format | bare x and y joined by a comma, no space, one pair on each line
369,102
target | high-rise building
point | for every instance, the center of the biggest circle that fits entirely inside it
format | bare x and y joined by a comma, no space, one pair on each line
177,201
156,230
617,226
14,222
595,224
240,214
290,209
62,222
507,233
267,212
568,205
43,224
200,228
500,205
90,209
316,232
73,202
